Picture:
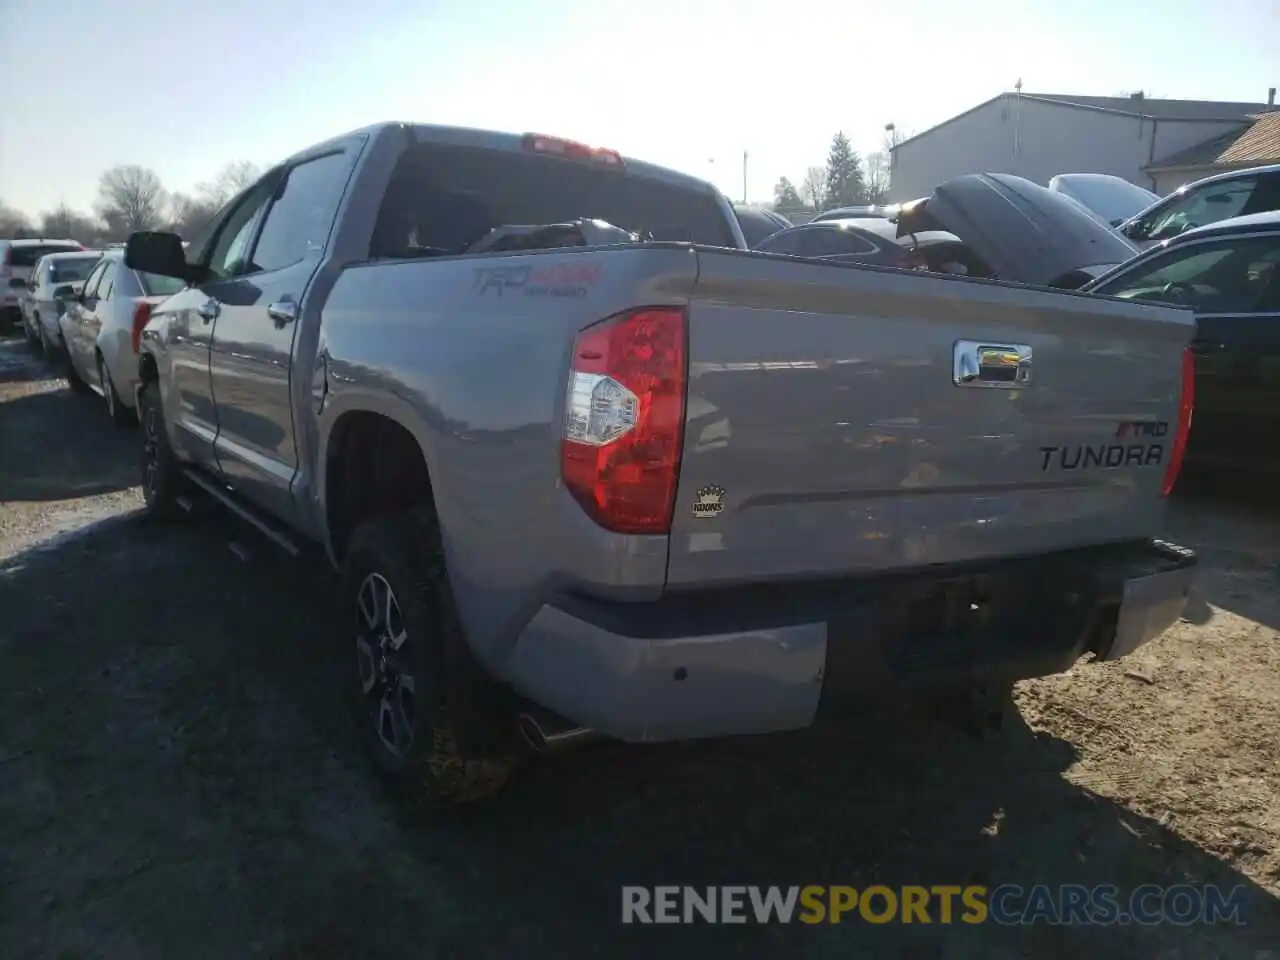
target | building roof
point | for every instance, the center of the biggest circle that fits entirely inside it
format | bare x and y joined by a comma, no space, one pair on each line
1252,143
1128,106
1159,109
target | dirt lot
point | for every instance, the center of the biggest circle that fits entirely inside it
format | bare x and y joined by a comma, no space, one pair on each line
176,779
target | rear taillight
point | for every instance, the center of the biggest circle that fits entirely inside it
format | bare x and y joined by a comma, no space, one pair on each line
1185,408
141,314
624,419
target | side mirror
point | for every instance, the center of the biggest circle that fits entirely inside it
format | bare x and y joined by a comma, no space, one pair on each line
65,292
17,283
154,251
1135,230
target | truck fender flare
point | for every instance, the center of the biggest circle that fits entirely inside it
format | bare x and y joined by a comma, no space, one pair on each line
389,405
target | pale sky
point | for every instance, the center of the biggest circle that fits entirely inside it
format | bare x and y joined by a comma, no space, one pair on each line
184,86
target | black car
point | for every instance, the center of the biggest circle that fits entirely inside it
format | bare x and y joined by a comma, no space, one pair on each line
757,223
840,240
1229,273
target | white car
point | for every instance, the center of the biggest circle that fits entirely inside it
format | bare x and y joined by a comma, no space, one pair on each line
1112,199
54,278
99,330
17,258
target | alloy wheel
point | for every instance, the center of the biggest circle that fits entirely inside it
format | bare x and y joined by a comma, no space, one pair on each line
386,675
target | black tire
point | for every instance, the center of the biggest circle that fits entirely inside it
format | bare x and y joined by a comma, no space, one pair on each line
73,378
162,480
32,339
449,702
120,415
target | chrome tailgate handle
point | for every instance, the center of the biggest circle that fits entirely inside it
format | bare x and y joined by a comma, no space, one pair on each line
978,363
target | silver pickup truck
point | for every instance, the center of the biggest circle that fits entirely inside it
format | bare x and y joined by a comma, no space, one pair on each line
591,468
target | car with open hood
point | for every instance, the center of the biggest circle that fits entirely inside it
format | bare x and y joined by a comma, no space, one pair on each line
1019,231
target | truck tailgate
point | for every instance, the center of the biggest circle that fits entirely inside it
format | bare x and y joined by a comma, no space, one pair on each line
826,433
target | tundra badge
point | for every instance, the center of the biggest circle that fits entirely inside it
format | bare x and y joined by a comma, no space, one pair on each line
710,502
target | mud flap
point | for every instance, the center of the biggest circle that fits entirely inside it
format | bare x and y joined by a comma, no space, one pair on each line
1149,606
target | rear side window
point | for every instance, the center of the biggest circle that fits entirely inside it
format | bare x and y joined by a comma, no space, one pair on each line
832,242
300,217
442,199
90,287
786,242
107,282
27,255
69,270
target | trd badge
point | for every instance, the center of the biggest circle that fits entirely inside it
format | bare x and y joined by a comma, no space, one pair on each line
709,503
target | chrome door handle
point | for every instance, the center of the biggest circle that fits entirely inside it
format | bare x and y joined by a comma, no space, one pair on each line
1004,366
283,311
208,310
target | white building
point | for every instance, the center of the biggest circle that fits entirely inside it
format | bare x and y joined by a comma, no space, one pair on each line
1039,135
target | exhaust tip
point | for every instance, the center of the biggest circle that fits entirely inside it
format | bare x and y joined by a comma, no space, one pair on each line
547,733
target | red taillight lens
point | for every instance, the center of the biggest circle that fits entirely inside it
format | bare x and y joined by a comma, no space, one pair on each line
1185,408
141,314
624,419
558,146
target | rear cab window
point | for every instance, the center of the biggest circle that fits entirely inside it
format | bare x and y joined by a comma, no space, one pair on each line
444,198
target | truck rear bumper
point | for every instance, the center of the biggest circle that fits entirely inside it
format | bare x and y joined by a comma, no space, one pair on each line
773,658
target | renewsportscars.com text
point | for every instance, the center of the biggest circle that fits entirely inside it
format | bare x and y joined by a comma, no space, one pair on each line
1007,904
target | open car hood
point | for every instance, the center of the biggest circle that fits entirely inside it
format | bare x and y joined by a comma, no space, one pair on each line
1024,232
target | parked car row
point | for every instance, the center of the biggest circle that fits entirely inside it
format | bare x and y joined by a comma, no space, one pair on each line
17,259
1207,257
86,309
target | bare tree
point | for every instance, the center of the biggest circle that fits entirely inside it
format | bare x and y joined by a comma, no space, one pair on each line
13,222
877,176
131,198
188,214
231,179
813,188
62,221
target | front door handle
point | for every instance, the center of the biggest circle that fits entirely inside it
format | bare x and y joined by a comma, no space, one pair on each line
283,311
208,310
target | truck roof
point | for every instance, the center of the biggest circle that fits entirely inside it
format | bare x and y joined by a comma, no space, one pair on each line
497,140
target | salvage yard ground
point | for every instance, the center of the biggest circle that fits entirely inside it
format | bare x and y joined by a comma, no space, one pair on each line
178,780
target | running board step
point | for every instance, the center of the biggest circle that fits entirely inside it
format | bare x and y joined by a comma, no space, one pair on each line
268,528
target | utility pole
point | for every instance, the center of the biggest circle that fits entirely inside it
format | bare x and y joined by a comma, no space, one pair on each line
744,176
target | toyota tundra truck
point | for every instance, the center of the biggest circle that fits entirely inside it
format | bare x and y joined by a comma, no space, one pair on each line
591,468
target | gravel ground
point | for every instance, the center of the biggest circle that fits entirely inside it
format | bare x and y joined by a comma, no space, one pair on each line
177,779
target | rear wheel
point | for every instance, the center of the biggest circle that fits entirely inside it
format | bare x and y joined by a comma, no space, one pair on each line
412,682
120,415
162,480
